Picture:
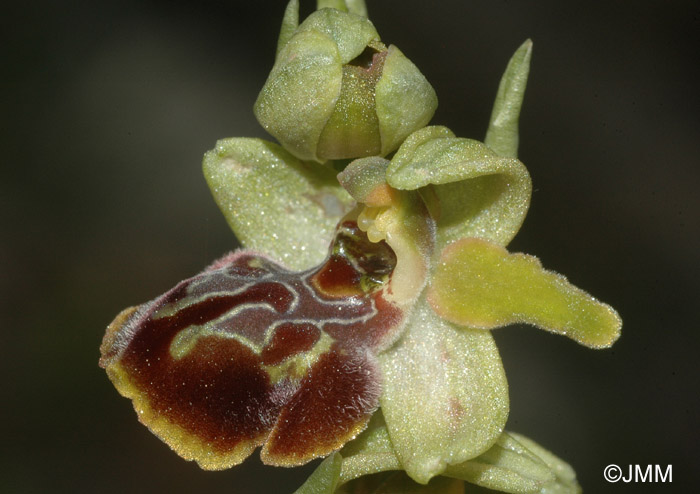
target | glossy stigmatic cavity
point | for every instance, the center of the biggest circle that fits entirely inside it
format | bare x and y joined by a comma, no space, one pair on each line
248,353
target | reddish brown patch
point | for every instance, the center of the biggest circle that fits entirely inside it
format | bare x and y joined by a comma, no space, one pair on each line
371,333
333,403
338,279
289,339
275,294
217,392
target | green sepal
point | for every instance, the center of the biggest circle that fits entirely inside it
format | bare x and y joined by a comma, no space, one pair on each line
405,100
325,479
356,7
300,92
479,284
445,396
290,22
480,193
275,203
502,134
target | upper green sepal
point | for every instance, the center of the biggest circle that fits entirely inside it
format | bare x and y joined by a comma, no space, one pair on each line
337,92
502,134
479,284
275,203
478,192
365,181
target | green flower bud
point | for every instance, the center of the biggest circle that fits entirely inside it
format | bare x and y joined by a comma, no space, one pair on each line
337,92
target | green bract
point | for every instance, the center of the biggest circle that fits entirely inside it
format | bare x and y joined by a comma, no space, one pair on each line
337,92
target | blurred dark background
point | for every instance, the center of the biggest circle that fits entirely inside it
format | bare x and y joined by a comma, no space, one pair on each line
109,105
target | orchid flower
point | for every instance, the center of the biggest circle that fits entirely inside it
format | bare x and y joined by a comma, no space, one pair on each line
355,322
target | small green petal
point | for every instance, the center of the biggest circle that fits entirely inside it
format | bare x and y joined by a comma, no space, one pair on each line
325,478
479,284
275,203
480,193
405,100
445,394
502,135
301,91
357,7
508,466
290,22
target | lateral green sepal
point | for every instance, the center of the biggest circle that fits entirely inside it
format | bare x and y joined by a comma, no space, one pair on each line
445,396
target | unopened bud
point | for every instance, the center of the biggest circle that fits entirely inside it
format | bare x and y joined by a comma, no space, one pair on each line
337,92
